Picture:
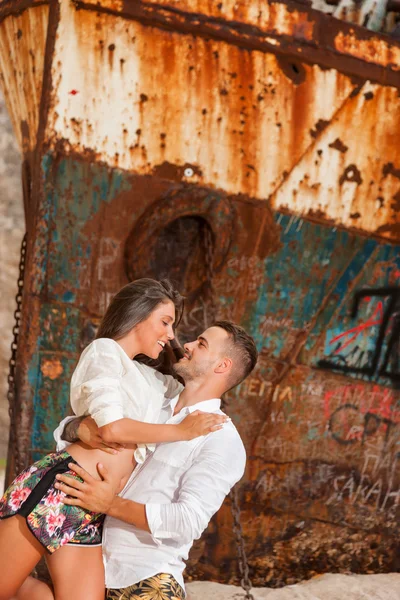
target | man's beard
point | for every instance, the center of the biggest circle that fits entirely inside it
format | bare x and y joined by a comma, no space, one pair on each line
189,372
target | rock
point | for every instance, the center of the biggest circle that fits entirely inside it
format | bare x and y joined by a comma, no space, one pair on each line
331,586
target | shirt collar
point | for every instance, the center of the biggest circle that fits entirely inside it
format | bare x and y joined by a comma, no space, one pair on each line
205,405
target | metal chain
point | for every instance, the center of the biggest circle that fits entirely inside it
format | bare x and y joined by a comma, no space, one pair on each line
11,395
245,581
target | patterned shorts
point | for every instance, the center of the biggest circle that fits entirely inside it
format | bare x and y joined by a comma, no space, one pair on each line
32,495
162,586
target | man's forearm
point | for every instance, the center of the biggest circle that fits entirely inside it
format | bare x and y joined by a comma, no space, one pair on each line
70,433
129,512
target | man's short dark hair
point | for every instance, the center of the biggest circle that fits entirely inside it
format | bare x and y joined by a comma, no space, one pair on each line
242,349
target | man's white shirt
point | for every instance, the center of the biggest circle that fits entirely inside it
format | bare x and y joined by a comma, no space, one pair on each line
182,485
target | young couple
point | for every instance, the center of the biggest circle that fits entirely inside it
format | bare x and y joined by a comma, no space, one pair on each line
154,456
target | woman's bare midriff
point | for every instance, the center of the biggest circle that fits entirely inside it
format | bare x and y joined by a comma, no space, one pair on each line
119,466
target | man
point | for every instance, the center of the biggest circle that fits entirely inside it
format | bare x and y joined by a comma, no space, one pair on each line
170,498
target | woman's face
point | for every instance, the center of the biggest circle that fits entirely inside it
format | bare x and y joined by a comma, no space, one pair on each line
153,333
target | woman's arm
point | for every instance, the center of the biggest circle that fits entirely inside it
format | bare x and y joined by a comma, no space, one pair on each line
84,429
70,432
128,431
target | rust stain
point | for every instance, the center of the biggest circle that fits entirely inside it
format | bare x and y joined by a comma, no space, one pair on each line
338,145
337,149
220,135
318,128
274,27
23,42
351,173
25,137
51,368
17,7
396,204
390,169
369,47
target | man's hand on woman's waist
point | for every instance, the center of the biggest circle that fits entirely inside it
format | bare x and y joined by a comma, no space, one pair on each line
99,496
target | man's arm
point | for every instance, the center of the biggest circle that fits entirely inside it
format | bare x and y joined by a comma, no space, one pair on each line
218,466
203,489
130,512
100,496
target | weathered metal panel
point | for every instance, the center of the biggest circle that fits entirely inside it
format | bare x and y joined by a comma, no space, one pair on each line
359,340
350,178
323,476
22,49
51,370
233,114
311,258
244,120
80,200
285,26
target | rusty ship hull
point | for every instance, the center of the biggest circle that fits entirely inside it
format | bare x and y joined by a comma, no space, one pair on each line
270,129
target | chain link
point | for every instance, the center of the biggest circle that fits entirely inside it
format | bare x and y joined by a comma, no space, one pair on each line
245,581
11,395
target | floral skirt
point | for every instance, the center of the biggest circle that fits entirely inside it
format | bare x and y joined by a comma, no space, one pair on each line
32,495
162,586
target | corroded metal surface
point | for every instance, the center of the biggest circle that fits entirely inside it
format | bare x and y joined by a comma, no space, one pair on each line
17,7
345,174
267,129
210,104
22,49
266,116
279,26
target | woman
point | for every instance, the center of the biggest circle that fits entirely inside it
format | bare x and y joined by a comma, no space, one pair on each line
124,397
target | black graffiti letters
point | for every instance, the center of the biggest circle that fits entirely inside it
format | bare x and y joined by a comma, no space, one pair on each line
384,359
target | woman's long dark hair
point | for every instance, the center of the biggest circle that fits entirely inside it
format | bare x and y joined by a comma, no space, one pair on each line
133,304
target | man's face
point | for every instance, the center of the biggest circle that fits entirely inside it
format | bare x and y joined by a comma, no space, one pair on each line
202,355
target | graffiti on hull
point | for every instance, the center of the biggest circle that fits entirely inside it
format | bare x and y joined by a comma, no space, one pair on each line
370,347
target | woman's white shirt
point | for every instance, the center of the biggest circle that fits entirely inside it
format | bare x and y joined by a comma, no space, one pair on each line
108,386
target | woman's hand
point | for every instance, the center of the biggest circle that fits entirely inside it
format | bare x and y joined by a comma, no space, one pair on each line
88,433
199,423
